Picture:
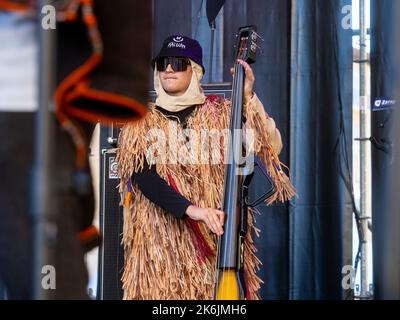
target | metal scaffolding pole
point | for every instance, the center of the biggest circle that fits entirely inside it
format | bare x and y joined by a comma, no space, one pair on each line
43,213
364,156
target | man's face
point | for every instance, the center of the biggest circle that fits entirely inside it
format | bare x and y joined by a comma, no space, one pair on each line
175,83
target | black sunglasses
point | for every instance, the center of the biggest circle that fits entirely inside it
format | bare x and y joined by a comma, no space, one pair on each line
178,64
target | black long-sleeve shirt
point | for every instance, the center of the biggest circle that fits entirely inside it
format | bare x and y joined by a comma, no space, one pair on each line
157,189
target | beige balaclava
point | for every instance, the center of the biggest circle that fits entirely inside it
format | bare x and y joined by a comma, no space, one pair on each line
194,94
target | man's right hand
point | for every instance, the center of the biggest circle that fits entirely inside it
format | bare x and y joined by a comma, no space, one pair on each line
214,219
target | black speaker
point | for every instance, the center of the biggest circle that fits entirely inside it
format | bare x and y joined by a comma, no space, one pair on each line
111,257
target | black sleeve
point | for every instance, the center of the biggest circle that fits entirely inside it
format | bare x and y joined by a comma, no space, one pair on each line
160,192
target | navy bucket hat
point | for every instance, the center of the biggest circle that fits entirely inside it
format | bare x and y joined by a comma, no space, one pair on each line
181,46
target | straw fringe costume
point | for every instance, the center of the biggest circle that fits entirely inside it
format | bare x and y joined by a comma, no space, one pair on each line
171,258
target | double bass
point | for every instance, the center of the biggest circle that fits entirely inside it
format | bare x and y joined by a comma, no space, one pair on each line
230,282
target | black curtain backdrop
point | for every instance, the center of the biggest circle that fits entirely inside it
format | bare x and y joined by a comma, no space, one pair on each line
392,272
320,149
385,62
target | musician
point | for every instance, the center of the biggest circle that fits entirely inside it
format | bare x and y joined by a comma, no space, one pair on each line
168,254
